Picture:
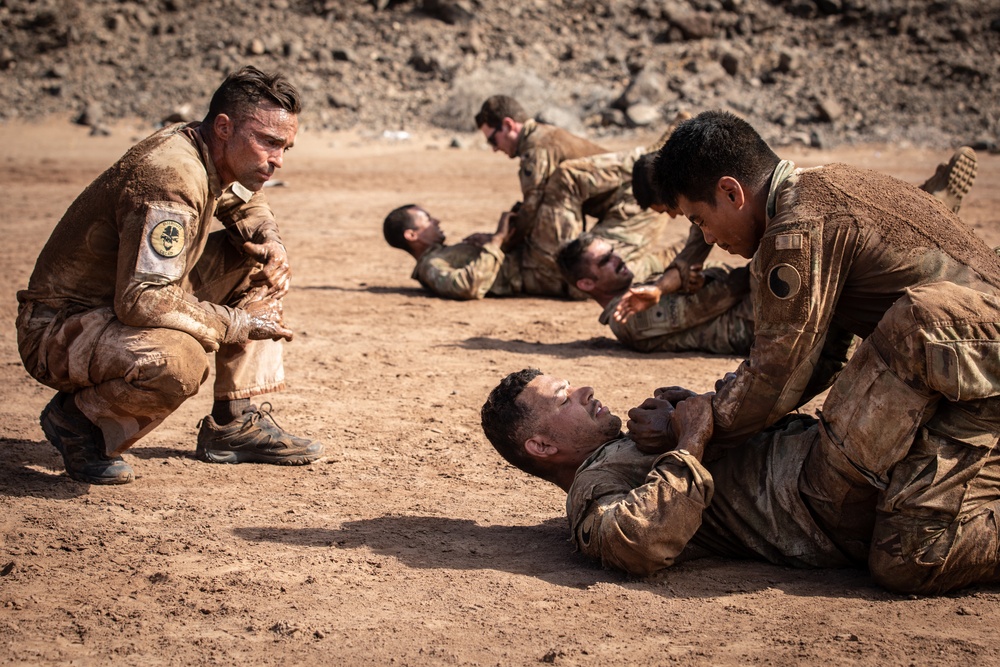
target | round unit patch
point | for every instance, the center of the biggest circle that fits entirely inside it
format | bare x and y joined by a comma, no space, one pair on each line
167,238
784,281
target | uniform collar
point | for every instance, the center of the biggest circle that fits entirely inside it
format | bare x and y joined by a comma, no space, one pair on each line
426,257
780,175
609,309
527,129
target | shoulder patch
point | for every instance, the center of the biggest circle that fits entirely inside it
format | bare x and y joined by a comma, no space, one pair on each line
783,292
167,238
784,281
166,233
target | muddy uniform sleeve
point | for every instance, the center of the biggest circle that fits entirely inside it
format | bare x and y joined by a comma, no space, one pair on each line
161,231
678,313
796,278
248,221
470,275
642,530
695,251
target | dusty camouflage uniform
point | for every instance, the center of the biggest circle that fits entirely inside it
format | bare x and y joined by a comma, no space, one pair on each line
902,469
600,186
841,246
541,148
461,271
717,318
465,271
131,290
644,512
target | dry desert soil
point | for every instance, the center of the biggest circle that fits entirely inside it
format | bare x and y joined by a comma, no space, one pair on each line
411,543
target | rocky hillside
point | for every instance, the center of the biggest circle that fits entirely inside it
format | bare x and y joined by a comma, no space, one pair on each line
824,72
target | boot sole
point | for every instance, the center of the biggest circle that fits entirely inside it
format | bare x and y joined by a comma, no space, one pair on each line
209,456
962,173
103,481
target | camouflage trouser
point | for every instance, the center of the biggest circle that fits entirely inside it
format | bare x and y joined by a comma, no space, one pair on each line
911,428
127,380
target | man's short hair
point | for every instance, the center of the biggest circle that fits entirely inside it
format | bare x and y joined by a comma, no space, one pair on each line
507,423
245,90
398,221
707,147
498,107
570,258
643,187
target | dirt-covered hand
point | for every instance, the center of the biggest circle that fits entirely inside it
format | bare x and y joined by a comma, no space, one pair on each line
649,426
723,380
696,278
274,272
673,394
693,423
266,320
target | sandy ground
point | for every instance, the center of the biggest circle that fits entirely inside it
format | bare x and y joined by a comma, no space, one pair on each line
411,543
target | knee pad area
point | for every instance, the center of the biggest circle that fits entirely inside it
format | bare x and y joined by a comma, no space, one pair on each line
176,373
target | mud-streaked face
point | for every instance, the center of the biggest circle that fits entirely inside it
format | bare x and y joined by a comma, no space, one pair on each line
254,147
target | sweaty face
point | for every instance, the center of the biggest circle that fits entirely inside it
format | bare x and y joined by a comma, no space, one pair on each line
426,227
723,224
256,146
570,417
606,268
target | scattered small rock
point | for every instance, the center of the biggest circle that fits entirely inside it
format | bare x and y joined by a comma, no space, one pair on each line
829,109
643,115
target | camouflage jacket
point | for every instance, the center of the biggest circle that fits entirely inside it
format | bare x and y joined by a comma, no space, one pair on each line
460,271
542,148
840,247
644,512
132,237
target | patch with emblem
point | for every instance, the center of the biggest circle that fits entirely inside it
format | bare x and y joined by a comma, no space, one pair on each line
167,238
784,281
168,229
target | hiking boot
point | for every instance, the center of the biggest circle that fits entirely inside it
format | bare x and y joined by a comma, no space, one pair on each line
254,437
952,181
81,444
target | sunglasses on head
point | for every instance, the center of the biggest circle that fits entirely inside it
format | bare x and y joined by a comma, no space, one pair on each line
492,139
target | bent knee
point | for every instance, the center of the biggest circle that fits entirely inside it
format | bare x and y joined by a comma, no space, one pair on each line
174,369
